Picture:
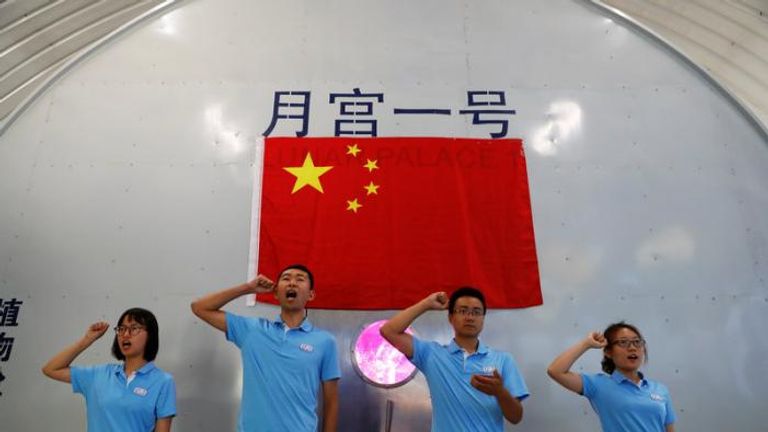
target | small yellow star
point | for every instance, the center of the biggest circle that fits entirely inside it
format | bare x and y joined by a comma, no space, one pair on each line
308,174
371,165
353,205
372,188
353,150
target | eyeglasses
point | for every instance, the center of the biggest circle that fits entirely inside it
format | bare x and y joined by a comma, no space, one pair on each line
626,343
474,312
132,330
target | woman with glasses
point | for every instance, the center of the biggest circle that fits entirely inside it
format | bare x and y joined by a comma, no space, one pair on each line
623,398
134,396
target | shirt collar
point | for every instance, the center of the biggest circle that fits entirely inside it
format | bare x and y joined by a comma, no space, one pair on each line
453,348
147,368
305,325
619,377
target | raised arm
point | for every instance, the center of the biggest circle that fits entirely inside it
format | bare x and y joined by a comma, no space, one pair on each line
58,367
208,308
394,329
560,368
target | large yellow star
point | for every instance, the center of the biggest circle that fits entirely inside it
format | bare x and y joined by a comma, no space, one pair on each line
308,174
371,165
353,150
353,205
372,188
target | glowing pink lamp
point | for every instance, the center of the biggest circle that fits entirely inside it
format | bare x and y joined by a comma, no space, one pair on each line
378,362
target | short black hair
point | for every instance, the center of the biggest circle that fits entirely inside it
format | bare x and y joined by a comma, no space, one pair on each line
148,320
303,268
465,291
610,333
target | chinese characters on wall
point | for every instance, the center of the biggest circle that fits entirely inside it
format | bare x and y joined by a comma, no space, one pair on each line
357,114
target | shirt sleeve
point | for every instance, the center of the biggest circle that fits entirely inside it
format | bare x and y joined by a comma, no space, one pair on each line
513,379
588,386
237,328
420,352
330,363
166,401
671,416
82,377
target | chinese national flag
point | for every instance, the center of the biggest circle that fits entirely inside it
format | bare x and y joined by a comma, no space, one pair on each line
383,222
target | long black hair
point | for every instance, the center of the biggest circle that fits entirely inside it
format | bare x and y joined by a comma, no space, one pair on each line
148,320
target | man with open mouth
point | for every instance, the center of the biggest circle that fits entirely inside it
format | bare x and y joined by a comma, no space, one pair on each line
473,387
286,362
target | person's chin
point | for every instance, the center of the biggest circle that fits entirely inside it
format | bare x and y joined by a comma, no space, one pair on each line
291,304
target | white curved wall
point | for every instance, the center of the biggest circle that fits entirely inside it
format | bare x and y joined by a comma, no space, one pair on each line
129,183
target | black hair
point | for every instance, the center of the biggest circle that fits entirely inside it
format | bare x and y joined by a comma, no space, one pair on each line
303,268
610,333
148,320
465,291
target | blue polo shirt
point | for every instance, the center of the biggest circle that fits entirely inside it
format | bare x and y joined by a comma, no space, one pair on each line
456,405
624,406
282,372
114,405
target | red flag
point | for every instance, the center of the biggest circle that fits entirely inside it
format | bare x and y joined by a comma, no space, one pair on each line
383,222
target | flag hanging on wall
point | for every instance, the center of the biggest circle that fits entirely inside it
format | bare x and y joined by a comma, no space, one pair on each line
383,222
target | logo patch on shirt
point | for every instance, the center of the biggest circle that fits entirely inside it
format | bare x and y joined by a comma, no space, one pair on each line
140,391
657,398
306,347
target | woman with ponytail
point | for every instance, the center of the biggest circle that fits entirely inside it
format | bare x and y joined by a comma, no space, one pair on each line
623,398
